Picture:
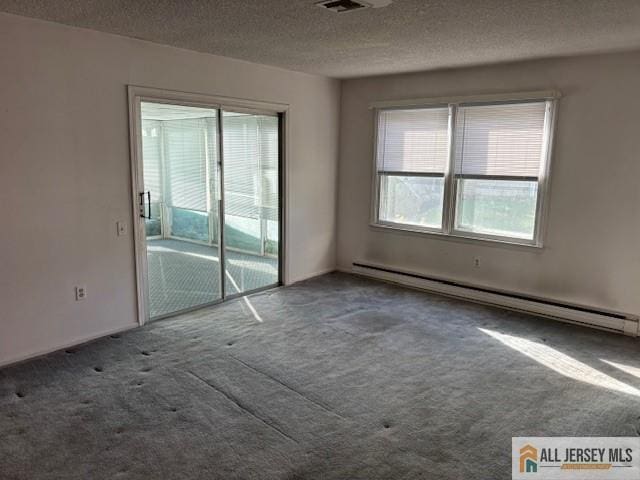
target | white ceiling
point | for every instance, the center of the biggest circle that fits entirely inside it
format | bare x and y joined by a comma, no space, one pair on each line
408,35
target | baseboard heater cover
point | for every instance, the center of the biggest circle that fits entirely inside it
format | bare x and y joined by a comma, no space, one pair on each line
587,316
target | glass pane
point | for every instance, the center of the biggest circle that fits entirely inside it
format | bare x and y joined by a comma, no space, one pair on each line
497,207
179,150
151,149
251,201
412,200
190,224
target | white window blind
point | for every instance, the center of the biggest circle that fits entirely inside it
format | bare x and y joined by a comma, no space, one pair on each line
251,165
186,159
482,178
151,151
500,140
414,140
269,189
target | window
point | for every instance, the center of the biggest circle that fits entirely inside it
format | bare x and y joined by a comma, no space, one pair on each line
412,159
466,169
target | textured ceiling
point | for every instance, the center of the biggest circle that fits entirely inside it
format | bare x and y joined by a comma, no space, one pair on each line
408,35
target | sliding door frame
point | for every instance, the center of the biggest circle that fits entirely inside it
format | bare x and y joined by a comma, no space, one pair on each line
138,94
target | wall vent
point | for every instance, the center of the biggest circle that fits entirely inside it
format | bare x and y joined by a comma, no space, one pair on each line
342,6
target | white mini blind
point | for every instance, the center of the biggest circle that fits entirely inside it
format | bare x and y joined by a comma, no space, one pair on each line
186,159
500,140
251,165
269,188
413,140
152,165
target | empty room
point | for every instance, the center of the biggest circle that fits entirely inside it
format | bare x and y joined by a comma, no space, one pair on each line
332,240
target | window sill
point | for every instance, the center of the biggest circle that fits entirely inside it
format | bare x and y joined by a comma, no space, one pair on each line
457,237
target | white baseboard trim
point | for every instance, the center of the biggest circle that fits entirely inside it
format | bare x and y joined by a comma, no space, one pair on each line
72,343
617,322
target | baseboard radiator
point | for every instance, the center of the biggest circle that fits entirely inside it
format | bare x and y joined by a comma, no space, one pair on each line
586,316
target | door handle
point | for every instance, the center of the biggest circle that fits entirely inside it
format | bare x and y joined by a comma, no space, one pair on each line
141,207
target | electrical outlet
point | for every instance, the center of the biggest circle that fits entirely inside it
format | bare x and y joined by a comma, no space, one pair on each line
81,293
121,228
476,262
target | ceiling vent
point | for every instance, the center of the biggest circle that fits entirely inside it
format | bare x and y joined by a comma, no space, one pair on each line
341,6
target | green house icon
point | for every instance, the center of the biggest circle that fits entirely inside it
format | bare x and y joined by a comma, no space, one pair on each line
530,466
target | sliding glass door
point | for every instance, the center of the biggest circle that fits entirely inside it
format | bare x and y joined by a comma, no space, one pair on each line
181,171
209,203
251,200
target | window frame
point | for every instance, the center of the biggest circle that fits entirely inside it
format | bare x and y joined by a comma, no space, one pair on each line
448,228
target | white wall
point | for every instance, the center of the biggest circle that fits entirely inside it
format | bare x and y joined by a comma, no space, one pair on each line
65,175
591,254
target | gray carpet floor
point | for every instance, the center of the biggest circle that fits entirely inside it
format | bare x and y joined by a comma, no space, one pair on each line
337,377
184,274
